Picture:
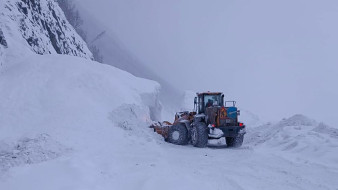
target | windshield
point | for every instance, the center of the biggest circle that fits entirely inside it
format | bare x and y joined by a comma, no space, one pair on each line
212,100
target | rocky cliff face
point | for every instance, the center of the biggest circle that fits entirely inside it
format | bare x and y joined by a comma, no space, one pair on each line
41,27
3,44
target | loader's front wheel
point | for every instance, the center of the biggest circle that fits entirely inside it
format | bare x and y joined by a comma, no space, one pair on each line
178,134
199,135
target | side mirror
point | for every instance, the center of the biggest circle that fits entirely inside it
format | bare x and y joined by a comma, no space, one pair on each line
195,100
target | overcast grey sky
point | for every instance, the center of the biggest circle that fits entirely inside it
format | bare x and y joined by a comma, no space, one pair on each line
276,58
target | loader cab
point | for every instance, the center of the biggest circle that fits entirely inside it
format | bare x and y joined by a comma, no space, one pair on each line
208,99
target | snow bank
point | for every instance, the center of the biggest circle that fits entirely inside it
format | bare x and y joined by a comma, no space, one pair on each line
297,137
30,151
64,116
67,97
93,117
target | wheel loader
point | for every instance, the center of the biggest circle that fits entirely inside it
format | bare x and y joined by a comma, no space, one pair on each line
212,118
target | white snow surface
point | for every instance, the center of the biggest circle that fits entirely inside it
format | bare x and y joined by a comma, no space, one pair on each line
53,91
70,123
57,105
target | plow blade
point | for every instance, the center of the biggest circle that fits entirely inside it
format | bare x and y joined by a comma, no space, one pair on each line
161,128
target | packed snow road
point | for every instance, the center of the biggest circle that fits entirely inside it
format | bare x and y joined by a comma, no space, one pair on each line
244,168
186,167
177,168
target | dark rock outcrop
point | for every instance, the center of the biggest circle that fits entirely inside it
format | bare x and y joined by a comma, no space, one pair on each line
43,26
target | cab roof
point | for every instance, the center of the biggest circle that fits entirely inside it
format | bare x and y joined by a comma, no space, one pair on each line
209,93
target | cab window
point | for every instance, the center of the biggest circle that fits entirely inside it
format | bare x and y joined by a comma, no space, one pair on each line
212,100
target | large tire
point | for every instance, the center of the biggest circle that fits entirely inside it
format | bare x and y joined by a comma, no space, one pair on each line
234,141
199,135
178,134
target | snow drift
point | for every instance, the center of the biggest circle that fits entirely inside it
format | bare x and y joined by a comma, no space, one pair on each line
297,137
29,151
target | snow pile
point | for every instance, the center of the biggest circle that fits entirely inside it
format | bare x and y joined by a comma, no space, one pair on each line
325,129
134,120
39,26
298,135
298,120
250,119
30,151
129,116
285,130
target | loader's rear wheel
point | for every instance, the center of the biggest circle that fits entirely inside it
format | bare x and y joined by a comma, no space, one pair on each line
178,134
234,141
199,135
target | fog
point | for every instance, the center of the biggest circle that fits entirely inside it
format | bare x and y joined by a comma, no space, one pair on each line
276,58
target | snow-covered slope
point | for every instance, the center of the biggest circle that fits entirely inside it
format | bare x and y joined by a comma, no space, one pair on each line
54,93
61,106
55,105
39,26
